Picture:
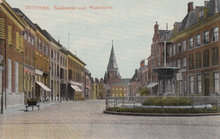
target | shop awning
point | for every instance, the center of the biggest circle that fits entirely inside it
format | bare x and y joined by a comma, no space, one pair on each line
43,86
76,88
152,85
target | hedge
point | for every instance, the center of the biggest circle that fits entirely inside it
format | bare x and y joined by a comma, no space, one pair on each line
167,101
163,110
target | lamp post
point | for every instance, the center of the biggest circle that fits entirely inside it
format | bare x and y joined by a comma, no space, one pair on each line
1,69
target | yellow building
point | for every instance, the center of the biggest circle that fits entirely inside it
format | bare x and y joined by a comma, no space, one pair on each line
76,77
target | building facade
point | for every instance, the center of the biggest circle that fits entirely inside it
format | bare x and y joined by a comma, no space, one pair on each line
195,50
156,58
42,90
76,77
12,51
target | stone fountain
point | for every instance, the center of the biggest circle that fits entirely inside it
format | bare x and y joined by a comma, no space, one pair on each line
166,78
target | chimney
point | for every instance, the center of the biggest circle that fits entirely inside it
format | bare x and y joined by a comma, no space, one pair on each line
142,63
205,3
156,28
190,7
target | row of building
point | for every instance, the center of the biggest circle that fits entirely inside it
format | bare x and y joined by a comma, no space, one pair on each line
34,64
192,47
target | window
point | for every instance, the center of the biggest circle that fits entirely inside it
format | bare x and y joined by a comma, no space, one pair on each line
9,65
215,34
190,43
198,40
198,60
174,63
179,48
32,42
184,62
199,84
25,35
17,40
206,58
174,50
52,54
190,61
2,28
215,57
206,37
191,84
201,15
216,82
179,63
9,35
184,46
171,51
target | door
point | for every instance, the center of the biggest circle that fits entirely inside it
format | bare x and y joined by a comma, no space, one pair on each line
206,84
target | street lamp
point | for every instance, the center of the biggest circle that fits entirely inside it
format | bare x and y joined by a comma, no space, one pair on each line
1,69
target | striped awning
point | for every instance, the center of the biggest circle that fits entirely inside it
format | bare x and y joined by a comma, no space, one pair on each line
76,88
43,86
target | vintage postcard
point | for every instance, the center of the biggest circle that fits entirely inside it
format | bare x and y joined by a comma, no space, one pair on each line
104,69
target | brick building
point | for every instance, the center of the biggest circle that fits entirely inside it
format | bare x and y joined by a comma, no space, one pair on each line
29,54
156,59
115,85
139,79
42,89
12,50
195,50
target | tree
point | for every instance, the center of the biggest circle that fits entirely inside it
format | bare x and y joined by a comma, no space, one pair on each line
144,91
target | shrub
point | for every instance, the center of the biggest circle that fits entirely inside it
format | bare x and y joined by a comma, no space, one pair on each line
144,91
167,101
162,110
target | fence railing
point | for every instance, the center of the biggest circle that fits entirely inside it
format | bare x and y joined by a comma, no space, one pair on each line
136,101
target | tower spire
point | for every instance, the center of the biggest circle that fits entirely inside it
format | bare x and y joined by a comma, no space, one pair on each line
112,64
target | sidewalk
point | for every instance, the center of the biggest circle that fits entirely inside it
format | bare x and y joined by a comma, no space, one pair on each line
21,108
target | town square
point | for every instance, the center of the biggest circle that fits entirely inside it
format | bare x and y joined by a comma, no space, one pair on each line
109,69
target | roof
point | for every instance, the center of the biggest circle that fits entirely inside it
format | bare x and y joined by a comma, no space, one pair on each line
134,76
24,17
213,6
112,64
122,82
74,56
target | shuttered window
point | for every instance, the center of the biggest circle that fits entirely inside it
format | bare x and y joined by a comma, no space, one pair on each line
9,35
2,28
21,81
21,44
17,41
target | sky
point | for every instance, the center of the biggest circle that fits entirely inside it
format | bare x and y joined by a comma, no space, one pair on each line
91,31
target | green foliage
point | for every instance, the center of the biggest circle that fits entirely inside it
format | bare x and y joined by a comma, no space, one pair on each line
144,91
162,110
167,101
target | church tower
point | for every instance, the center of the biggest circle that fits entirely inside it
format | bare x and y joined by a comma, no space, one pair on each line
112,73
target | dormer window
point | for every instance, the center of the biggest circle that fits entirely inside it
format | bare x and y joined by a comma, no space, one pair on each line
201,15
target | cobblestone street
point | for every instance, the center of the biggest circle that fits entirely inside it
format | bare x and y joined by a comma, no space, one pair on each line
85,120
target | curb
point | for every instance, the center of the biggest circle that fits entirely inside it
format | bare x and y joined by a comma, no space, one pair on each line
162,114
